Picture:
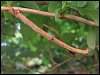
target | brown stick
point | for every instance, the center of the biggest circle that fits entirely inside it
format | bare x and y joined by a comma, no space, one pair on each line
70,17
44,34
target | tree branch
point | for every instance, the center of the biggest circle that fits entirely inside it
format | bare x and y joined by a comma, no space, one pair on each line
70,17
44,34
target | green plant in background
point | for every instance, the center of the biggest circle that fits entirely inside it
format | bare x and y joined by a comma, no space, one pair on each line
28,52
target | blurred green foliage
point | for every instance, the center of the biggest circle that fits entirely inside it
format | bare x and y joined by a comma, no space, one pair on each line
23,51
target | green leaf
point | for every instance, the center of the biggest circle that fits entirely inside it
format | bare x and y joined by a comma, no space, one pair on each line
96,3
97,35
92,5
94,14
45,60
37,19
82,28
91,14
51,22
8,16
33,48
27,32
52,6
37,38
57,12
91,39
8,26
64,3
91,53
8,30
69,36
79,3
29,4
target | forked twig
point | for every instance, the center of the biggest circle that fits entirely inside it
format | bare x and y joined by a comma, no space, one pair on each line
44,34
58,65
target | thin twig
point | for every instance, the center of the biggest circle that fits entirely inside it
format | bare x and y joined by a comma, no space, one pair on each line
58,65
54,31
70,17
45,34
51,56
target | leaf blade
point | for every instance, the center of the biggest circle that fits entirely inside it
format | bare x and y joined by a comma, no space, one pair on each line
91,39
